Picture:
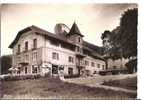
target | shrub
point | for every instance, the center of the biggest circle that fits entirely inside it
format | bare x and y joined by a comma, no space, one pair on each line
20,77
102,72
131,66
71,76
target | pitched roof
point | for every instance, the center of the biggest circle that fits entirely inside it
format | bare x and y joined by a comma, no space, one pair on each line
95,48
96,51
92,48
75,30
18,36
40,31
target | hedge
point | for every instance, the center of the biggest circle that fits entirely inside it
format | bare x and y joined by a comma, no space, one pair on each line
19,77
131,66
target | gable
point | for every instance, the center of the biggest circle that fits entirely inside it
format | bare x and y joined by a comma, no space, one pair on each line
20,33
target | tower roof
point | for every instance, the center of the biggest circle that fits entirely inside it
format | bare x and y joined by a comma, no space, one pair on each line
75,30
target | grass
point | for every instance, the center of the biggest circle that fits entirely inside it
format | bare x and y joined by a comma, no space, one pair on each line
128,83
48,87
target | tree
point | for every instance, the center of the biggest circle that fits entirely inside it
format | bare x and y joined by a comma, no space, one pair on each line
123,39
6,62
110,46
106,41
127,36
132,66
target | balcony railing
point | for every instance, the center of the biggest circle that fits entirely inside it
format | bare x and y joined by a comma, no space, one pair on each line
81,63
22,56
80,55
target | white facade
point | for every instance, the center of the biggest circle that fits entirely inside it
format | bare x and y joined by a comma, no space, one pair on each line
117,64
49,58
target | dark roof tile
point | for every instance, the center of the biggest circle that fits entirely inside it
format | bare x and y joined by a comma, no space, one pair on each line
75,30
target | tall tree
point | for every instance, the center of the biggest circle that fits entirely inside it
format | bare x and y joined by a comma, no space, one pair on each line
106,43
127,36
6,62
123,39
110,46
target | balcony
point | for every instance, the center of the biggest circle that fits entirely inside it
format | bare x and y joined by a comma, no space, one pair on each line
80,55
80,64
23,58
80,67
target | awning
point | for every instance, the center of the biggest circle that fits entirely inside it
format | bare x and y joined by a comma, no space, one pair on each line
24,63
13,69
47,65
10,69
35,66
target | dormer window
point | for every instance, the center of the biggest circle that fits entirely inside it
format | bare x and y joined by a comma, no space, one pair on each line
79,39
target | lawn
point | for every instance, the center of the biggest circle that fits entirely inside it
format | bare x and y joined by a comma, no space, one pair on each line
54,88
128,83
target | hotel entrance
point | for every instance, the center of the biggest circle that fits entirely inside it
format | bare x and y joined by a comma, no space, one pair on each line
54,69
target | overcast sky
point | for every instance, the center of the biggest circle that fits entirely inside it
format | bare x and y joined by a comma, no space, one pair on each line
92,19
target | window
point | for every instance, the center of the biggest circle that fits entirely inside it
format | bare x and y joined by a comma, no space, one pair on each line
78,49
34,56
19,70
70,59
25,70
98,65
26,57
34,69
55,56
34,43
19,48
54,69
26,46
103,67
114,67
18,59
86,63
79,39
92,64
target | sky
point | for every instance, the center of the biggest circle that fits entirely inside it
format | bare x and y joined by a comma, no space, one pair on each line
92,19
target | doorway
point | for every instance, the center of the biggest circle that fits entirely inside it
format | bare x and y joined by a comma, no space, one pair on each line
54,69
70,71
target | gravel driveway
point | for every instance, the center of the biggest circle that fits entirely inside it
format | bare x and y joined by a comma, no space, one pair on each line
97,80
